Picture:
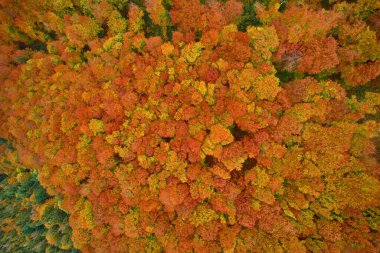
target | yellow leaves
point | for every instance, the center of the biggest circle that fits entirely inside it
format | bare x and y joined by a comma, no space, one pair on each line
235,163
81,237
176,166
222,65
60,5
264,40
251,108
201,87
136,21
34,134
294,245
130,224
332,90
246,78
158,14
266,16
205,90
67,124
358,191
310,168
85,217
266,87
191,52
287,210
158,181
306,188
143,112
201,190
369,128
146,162
86,96
220,135
372,100
262,178
116,23
218,171
210,97
202,214
96,126
265,195
54,21
51,238
83,142
112,138
121,151
368,46
139,43
115,42
171,72
302,111
225,34
256,205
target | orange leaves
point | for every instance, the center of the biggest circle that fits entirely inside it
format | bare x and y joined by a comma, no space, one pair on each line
209,231
305,45
322,139
130,223
361,74
220,135
202,188
157,12
81,29
318,56
173,196
301,24
167,49
331,231
302,90
232,10
313,57
227,237
192,16
186,14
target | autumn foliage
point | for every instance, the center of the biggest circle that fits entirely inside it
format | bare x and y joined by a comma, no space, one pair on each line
199,126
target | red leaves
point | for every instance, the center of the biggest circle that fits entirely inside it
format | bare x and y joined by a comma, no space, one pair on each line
210,75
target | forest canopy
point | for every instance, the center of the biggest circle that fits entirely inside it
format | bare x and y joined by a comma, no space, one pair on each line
189,126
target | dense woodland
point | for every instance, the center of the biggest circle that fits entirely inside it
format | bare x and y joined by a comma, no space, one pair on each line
189,126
